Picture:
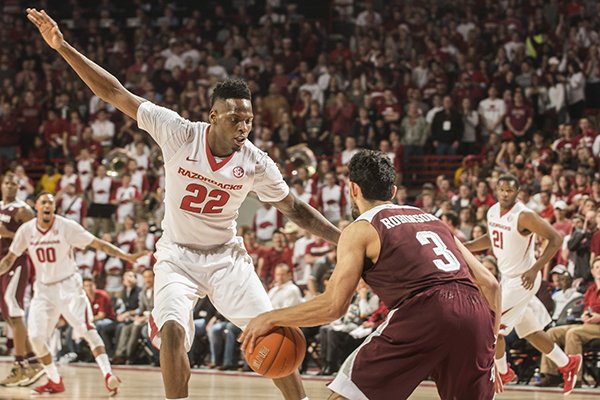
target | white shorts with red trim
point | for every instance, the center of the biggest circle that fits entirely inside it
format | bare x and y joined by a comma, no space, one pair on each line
521,308
226,275
65,298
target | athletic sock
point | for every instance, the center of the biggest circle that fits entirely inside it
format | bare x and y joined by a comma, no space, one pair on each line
104,364
179,398
32,358
20,360
52,372
502,365
558,356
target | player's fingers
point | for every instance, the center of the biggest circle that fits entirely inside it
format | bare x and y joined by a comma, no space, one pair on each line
33,18
47,17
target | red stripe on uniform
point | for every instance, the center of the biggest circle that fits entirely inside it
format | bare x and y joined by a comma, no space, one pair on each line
153,330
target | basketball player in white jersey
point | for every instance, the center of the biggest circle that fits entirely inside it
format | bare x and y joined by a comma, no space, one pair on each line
50,240
210,169
511,229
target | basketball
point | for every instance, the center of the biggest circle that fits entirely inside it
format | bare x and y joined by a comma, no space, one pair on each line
279,353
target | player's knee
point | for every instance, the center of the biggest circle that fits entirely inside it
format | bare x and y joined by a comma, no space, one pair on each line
92,338
172,334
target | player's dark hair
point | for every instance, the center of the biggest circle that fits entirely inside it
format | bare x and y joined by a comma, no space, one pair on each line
374,173
231,89
509,178
88,279
40,194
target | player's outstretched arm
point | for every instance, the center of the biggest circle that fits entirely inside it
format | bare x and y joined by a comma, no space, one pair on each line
488,284
100,81
7,262
357,241
479,244
308,218
114,251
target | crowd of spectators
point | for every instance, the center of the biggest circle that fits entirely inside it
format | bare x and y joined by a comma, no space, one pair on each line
513,86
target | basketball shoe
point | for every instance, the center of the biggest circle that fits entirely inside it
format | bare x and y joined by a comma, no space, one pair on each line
15,377
50,387
112,383
570,371
33,372
509,376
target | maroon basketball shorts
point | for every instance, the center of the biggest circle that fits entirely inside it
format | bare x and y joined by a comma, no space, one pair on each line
12,288
445,333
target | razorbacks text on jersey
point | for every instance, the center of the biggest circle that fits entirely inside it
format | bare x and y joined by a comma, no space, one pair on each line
203,193
51,251
515,252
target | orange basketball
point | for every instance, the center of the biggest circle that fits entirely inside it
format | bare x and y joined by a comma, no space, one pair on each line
279,353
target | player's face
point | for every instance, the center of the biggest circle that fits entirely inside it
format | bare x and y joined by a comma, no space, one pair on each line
10,185
506,192
232,119
45,207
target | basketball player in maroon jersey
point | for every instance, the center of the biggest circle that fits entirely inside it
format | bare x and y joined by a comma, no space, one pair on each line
13,213
440,324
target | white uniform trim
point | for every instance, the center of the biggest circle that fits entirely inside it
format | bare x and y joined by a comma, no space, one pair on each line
10,297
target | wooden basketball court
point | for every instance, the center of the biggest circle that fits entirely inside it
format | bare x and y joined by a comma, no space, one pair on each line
84,381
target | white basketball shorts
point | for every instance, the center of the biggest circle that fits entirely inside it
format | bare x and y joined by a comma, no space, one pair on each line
225,274
521,309
65,298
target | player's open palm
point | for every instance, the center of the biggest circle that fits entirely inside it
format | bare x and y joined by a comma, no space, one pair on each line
47,27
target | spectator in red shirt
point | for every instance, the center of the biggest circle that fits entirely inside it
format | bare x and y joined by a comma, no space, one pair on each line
519,118
277,254
483,195
55,131
9,133
561,222
30,117
341,114
576,336
103,311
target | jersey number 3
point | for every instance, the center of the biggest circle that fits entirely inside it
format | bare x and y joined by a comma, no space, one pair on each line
450,262
194,202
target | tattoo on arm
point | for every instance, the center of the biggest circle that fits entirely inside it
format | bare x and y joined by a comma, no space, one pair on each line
310,219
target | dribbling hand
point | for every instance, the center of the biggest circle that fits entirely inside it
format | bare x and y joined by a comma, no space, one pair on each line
47,27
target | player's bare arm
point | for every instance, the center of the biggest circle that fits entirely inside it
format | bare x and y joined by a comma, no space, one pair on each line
100,81
488,284
308,218
7,262
114,251
479,244
529,221
358,240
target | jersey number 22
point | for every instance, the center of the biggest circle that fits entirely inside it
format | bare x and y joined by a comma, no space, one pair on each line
196,202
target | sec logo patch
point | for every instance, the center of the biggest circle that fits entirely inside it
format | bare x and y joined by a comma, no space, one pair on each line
238,172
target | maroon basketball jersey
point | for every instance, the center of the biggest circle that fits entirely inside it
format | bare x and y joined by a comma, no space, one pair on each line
417,252
8,212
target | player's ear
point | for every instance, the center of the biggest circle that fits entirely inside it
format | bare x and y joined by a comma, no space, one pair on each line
394,191
212,116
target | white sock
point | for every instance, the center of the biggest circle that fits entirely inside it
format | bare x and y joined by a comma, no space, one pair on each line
558,356
104,364
52,372
501,364
179,398
305,398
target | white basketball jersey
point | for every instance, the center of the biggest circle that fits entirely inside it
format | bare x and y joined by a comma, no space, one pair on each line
51,251
515,252
203,193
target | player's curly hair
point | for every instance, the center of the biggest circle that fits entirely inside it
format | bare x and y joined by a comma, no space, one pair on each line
231,89
374,173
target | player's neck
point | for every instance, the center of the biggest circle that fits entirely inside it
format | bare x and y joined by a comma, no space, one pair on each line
45,225
8,200
366,206
215,149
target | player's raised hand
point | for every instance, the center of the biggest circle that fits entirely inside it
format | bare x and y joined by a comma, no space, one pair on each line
47,27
